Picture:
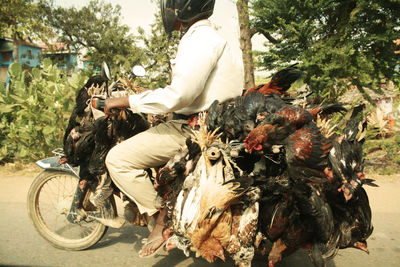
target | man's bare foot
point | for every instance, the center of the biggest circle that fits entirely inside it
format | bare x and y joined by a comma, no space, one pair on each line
156,240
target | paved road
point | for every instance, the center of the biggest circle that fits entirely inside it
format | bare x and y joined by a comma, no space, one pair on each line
21,245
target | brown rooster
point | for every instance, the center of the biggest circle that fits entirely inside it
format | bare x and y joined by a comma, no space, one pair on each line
211,242
294,128
279,83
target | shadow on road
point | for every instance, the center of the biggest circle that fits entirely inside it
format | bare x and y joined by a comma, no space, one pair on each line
133,235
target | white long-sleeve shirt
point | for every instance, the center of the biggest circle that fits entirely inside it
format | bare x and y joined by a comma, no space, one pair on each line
205,70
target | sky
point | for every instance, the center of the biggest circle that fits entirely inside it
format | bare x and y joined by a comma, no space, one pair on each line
137,13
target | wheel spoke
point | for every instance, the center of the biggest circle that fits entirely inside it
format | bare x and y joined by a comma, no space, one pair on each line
54,197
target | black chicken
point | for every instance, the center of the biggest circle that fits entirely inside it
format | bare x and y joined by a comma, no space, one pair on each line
350,203
346,156
79,135
336,220
236,118
285,222
88,138
81,102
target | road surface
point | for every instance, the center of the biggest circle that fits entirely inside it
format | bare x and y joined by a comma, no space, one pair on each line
21,245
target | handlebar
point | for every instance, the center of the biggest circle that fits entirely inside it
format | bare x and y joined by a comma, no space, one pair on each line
98,103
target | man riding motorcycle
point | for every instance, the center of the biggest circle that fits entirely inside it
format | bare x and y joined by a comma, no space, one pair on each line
205,70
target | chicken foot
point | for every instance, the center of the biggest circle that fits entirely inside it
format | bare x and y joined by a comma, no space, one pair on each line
275,254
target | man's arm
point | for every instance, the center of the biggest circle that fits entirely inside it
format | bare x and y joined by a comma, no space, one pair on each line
119,102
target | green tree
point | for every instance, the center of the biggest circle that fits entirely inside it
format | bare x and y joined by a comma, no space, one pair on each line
160,49
23,20
339,43
97,31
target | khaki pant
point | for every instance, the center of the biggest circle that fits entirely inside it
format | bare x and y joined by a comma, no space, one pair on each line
152,148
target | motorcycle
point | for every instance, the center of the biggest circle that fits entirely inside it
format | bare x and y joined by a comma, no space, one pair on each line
219,198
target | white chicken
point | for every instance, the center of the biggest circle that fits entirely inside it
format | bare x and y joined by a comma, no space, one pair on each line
202,218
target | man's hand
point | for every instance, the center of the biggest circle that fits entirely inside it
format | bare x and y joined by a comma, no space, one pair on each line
119,102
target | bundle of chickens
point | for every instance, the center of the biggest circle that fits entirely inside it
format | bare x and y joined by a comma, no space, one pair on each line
261,177
90,135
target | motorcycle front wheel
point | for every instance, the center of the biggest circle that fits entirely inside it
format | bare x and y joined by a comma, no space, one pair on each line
49,201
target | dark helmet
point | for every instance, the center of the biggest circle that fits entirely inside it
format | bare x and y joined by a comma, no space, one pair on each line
185,11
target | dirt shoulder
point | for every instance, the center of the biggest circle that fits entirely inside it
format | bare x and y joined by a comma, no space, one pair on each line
19,169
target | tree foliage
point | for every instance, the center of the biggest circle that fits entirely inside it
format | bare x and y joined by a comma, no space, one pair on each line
160,49
96,30
23,20
339,43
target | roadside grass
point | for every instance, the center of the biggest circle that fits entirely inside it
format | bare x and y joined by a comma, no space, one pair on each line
382,156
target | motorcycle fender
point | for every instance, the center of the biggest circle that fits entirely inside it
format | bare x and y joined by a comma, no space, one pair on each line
52,163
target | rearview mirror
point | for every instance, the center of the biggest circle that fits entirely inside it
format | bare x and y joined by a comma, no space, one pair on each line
105,71
138,71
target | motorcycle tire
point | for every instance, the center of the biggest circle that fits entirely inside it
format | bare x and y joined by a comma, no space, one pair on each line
49,200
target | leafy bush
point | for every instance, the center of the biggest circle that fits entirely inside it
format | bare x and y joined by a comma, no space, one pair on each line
35,113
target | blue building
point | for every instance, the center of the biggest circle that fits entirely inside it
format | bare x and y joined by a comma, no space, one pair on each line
66,57
28,55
